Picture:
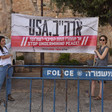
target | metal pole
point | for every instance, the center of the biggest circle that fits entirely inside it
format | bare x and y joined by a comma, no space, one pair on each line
41,7
6,103
90,96
66,95
30,96
42,54
78,91
102,95
54,99
42,95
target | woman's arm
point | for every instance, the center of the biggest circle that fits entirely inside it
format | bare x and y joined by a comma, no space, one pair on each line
6,56
8,45
103,55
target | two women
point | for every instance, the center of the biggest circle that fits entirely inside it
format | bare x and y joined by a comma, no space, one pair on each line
5,62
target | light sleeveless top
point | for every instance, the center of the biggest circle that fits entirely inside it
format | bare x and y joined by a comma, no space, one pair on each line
6,61
102,62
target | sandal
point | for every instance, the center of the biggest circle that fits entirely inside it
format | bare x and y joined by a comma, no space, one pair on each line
91,96
97,98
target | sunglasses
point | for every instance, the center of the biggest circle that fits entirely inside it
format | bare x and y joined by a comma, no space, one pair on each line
102,39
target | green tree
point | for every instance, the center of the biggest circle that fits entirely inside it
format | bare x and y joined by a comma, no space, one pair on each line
91,8
64,59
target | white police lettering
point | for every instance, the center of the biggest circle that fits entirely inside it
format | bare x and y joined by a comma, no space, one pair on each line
58,73
66,73
54,72
69,73
48,72
99,73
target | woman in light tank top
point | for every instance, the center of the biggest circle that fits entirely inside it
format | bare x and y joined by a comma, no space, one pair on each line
5,62
102,60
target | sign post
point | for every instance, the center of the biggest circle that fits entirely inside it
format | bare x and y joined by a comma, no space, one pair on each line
42,54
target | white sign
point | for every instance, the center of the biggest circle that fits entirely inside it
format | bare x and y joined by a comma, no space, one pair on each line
42,34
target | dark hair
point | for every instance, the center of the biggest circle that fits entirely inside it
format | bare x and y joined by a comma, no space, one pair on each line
104,37
1,37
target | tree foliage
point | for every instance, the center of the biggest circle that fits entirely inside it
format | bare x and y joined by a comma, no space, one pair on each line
64,59
91,8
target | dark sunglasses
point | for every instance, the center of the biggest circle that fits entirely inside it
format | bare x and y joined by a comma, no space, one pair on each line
102,39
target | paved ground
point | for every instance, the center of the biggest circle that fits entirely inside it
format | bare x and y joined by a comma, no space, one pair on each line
20,91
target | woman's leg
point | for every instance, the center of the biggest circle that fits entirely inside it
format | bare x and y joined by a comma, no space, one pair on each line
93,88
2,78
10,72
2,75
100,91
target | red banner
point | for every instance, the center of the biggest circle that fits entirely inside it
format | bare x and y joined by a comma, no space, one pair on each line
53,41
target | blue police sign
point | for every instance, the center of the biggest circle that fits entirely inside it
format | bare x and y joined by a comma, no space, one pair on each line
77,73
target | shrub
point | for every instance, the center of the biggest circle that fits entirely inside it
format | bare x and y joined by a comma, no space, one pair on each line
20,57
64,59
110,51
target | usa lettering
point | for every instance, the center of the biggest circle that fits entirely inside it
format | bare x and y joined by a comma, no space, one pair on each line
38,27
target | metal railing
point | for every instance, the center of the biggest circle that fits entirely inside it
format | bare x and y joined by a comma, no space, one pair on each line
64,72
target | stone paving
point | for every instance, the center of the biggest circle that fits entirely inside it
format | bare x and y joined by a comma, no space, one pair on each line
20,91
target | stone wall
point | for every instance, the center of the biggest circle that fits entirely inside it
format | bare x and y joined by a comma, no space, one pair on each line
33,7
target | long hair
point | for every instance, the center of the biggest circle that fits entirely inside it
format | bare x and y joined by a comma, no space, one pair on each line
1,37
